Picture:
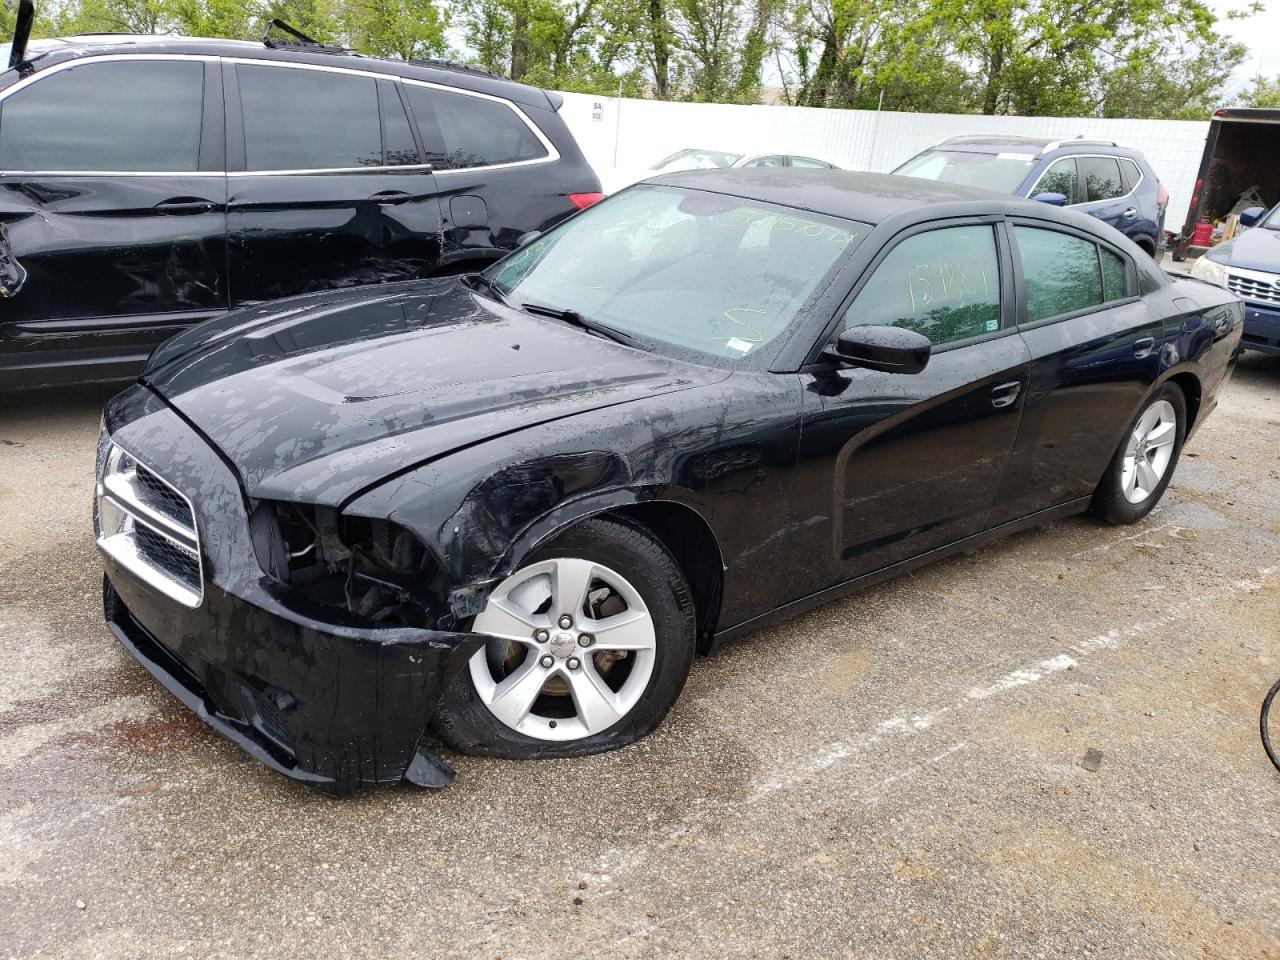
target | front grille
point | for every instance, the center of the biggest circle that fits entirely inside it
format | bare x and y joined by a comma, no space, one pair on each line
1254,284
148,527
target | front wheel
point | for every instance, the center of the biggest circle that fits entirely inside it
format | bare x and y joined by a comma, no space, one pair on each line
592,641
1143,465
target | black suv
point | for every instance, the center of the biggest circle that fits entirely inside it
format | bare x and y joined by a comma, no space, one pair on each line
149,183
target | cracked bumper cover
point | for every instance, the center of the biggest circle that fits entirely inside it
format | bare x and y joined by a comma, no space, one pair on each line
317,694
333,706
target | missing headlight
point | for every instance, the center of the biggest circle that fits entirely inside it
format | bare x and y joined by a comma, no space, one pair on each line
371,568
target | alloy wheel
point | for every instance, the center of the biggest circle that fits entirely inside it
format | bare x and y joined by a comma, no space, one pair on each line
573,649
1149,451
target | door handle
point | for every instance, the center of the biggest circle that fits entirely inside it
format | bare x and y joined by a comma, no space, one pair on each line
390,197
1143,346
1130,213
1005,394
184,206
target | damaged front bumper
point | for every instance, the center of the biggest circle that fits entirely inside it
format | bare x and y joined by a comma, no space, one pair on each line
311,692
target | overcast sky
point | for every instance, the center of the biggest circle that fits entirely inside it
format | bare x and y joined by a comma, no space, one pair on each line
1260,33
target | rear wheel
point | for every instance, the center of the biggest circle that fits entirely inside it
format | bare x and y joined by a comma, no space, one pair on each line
1143,465
592,641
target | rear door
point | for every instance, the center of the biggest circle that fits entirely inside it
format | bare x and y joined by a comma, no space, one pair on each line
327,185
1095,348
909,463
1105,194
113,205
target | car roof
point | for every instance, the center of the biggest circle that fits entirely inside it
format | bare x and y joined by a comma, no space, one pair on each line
868,197
1040,147
46,53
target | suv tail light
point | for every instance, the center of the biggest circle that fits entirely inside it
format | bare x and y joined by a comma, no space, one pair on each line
584,200
1162,195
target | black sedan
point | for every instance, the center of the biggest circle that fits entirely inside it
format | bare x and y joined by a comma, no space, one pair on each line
512,507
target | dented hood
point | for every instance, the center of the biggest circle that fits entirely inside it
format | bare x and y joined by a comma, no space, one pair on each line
320,397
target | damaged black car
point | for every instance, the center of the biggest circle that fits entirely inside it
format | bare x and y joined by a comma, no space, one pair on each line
504,512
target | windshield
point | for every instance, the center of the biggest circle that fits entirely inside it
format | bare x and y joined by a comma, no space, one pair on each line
696,271
994,171
1272,220
696,160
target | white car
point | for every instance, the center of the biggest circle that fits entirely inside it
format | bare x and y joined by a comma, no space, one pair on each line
696,158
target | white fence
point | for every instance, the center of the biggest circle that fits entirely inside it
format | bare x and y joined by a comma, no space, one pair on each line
631,134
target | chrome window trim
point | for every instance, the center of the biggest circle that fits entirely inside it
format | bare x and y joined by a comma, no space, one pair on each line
1094,156
552,156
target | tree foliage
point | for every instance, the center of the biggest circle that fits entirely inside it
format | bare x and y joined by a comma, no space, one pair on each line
1111,58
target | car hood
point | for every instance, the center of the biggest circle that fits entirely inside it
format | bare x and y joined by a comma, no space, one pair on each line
320,397
1257,248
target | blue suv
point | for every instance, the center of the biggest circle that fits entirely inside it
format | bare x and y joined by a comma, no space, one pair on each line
1114,184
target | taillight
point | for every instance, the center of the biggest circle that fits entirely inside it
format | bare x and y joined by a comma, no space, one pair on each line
1162,195
584,200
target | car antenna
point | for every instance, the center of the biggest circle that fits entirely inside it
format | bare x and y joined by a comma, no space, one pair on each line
21,32
300,39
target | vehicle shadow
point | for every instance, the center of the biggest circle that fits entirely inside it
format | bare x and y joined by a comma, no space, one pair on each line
28,411
1257,370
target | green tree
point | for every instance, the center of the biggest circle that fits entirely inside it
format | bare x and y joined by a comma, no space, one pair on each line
1264,93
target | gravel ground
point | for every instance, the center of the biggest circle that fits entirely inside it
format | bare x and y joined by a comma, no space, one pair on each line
900,774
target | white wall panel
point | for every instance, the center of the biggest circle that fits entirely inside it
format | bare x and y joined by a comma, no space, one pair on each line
631,134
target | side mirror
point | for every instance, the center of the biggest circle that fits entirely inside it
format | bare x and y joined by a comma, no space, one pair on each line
1053,199
528,238
1251,216
891,349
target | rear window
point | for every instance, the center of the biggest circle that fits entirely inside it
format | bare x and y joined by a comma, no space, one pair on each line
476,131
1060,272
291,119
1003,172
126,116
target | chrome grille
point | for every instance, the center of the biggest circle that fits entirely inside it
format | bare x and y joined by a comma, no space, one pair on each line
148,527
1254,284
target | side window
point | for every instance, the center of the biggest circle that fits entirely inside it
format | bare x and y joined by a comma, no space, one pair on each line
308,119
131,116
809,163
766,162
1061,178
1131,174
1114,285
476,132
1101,178
1060,272
944,284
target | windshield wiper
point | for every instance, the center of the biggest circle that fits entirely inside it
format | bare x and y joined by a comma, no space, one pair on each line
573,318
481,282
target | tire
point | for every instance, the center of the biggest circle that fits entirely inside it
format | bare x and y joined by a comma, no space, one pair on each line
618,561
1118,498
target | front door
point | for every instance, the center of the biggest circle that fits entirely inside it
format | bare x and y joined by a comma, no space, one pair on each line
897,465
326,188
113,205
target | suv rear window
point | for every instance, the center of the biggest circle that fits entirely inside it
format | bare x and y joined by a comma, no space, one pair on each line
308,119
476,131
129,116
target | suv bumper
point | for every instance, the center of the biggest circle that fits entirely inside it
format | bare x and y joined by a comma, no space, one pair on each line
1261,327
